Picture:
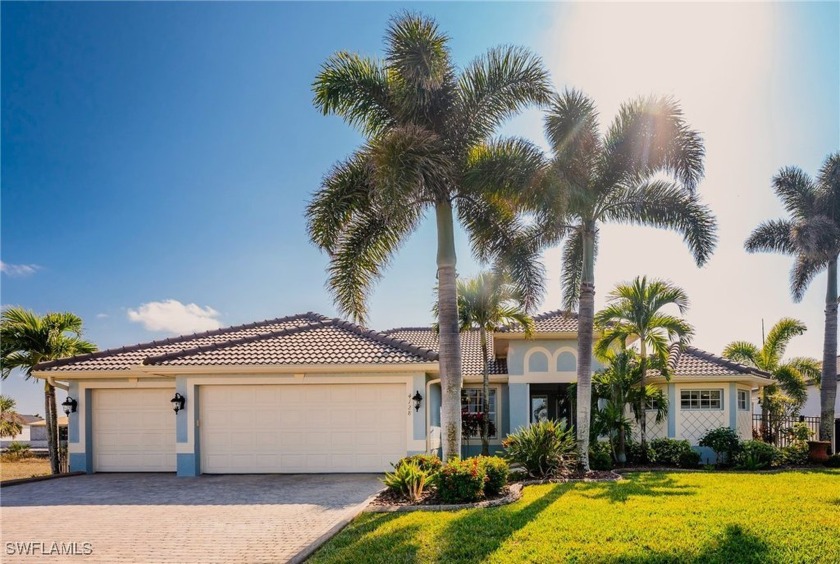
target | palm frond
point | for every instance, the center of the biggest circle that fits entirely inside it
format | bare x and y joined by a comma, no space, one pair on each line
797,192
509,168
779,337
571,126
809,368
745,353
772,236
804,270
792,383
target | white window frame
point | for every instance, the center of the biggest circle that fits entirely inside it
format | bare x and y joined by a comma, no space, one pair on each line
745,395
496,394
698,392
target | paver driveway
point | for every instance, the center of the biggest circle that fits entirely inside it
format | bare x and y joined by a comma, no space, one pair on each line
163,518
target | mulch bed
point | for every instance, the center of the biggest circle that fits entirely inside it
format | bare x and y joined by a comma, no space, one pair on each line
388,498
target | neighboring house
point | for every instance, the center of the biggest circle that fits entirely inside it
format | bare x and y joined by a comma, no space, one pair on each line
812,406
30,433
39,430
307,393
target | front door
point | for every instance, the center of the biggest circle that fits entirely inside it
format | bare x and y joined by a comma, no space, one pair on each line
551,401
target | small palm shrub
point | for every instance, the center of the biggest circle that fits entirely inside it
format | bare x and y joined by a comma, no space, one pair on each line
428,462
833,461
755,455
16,451
725,442
408,479
668,451
543,449
461,480
497,472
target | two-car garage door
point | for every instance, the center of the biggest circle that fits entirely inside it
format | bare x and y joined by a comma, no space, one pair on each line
301,428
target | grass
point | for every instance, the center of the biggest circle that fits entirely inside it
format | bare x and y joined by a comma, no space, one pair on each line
650,517
23,468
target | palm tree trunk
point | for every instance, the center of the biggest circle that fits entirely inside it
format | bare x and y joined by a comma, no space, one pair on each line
828,383
52,426
586,317
450,346
485,397
642,399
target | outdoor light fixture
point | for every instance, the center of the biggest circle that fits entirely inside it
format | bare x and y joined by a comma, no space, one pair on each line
178,402
69,405
417,400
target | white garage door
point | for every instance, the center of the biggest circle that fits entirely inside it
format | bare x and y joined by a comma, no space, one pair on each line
302,428
133,430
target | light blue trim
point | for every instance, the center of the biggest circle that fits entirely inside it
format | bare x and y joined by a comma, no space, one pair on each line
474,449
672,411
518,409
181,420
78,462
89,423
418,417
733,405
187,464
504,410
73,418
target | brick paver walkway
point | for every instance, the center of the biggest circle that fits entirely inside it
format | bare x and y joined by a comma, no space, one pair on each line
163,518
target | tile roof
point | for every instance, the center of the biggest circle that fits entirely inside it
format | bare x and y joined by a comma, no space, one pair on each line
471,364
691,361
125,358
557,321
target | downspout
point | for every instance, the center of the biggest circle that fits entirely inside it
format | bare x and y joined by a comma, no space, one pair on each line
52,382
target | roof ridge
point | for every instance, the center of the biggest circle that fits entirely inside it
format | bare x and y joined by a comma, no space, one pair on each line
241,341
172,340
561,311
706,355
416,328
387,339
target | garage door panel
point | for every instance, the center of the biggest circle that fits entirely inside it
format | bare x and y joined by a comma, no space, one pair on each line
304,428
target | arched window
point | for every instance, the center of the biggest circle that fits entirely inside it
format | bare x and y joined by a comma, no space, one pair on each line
566,362
538,362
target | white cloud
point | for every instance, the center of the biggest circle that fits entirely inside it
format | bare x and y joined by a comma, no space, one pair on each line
18,270
172,316
102,316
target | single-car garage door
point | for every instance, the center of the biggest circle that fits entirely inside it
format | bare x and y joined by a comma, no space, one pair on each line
133,430
302,428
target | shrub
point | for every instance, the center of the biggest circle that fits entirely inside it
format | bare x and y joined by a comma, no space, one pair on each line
793,455
668,451
724,441
543,448
800,432
461,480
407,479
599,460
689,459
16,451
427,462
635,455
497,471
833,461
755,455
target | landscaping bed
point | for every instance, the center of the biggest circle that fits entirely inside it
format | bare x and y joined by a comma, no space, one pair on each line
23,468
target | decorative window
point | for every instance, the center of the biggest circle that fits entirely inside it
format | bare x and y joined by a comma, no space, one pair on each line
471,404
538,362
743,400
701,399
566,362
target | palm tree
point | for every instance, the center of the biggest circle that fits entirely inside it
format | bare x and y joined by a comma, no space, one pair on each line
488,302
644,171
27,339
634,311
428,148
789,387
11,423
812,236
620,385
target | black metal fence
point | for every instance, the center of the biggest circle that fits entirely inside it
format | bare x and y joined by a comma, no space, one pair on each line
779,431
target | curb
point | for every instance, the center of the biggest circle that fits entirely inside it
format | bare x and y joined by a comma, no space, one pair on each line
19,481
348,516
514,494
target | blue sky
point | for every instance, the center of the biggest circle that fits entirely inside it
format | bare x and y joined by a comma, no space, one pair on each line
154,152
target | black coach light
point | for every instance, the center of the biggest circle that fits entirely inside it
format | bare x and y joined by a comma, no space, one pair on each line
178,402
69,405
417,400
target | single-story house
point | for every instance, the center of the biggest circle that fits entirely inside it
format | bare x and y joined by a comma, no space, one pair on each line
30,434
307,393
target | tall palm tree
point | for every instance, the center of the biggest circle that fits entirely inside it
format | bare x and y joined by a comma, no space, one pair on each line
428,149
790,377
619,385
488,302
634,311
811,234
27,339
11,423
644,171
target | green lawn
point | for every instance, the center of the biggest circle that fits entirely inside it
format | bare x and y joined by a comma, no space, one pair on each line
649,517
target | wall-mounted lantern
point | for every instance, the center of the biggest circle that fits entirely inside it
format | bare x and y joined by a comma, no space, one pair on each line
69,405
178,402
418,399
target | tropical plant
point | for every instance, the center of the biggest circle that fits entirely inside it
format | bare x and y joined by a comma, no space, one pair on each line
16,451
635,311
27,339
487,302
428,462
644,172
497,471
811,234
462,480
724,441
428,148
407,479
786,395
756,455
11,423
542,449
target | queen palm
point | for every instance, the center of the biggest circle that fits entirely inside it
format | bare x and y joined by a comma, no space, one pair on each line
27,339
488,302
644,171
635,311
428,149
811,234
11,423
790,377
